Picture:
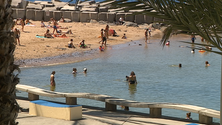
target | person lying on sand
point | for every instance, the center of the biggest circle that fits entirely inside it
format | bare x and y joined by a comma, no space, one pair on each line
65,32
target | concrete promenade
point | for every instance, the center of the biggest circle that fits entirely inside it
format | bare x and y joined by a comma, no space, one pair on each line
98,116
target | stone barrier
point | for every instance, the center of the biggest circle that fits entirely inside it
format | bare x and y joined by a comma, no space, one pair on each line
149,19
57,15
129,17
139,19
102,16
30,14
14,15
111,17
93,16
75,16
47,15
84,17
205,115
157,19
20,13
39,15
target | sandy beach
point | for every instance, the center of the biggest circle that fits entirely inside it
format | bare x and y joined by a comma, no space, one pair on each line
43,51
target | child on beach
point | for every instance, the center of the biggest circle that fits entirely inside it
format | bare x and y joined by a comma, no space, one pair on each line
101,48
70,44
82,44
124,36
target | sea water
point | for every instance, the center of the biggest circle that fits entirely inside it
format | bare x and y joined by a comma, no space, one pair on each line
158,75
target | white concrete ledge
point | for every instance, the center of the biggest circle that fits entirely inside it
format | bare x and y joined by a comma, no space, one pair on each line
205,115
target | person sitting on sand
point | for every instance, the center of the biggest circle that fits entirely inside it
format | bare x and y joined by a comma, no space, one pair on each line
28,22
121,20
188,116
70,44
62,19
82,44
132,78
47,34
124,36
42,24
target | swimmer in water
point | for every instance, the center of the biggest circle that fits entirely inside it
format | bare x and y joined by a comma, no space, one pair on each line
207,64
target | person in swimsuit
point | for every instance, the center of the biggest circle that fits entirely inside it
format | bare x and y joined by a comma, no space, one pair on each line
17,35
52,79
54,25
193,38
146,35
107,31
132,78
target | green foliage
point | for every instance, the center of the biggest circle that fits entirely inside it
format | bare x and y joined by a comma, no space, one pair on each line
198,17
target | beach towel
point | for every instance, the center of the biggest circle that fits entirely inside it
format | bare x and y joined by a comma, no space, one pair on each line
37,36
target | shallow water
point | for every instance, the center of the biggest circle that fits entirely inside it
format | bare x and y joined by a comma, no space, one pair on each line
158,75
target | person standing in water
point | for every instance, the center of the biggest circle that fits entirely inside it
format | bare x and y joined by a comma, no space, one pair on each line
132,78
52,79
146,35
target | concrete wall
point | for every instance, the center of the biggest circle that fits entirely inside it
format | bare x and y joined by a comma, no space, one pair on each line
129,17
30,14
149,19
14,15
111,17
84,17
93,16
39,15
47,15
67,14
102,16
57,15
20,13
75,16
139,19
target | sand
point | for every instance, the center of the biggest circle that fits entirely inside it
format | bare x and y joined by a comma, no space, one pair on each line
44,51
